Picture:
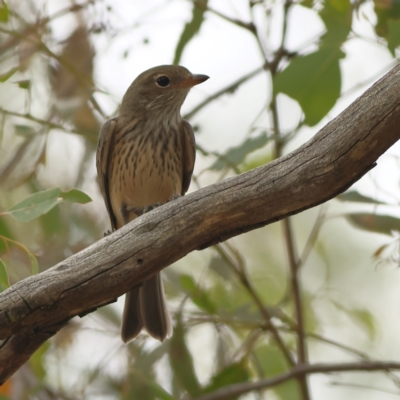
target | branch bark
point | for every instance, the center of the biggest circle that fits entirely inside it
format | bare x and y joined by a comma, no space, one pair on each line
337,156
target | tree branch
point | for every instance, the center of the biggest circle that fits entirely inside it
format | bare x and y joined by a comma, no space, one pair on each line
237,389
340,154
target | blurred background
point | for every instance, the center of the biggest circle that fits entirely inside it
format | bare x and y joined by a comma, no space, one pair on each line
280,70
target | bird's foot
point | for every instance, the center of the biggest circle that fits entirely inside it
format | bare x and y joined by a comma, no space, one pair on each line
107,233
143,210
174,197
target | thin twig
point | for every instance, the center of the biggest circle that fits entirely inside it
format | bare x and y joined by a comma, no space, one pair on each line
313,236
239,270
287,225
246,25
297,372
227,89
48,124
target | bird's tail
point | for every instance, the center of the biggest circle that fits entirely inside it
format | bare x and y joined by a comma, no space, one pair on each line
146,307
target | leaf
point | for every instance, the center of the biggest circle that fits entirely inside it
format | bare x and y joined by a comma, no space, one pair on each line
337,17
367,321
384,224
7,75
24,130
197,295
221,267
314,81
236,155
159,392
53,224
5,234
182,362
75,196
386,11
34,263
393,37
4,281
273,363
37,361
307,3
356,197
4,13
42,202
24,84
234,373
35,205
191,28
360,316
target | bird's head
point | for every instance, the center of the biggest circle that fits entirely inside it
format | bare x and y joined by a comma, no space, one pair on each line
160,89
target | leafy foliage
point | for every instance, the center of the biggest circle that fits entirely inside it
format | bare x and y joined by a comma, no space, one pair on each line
314,80
191,28
42,202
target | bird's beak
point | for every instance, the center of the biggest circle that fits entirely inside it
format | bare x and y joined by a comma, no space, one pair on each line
193,81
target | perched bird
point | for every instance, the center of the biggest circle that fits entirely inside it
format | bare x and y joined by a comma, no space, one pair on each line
145,156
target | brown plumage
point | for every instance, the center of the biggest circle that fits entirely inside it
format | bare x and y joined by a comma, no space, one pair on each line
145,156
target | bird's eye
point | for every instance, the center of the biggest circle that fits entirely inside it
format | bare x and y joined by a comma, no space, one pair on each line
163,81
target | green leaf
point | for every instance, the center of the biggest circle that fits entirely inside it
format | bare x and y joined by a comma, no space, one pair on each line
314,80
393,37
110,315
273,363
221,267
34,263
356,197
191,28
75,196
236,155
366,320
4,281
24,84
7,75
387,12
182,362
307,3
197,295
188,283
6,233
53,224
35,205
37,361
234,373
24,130
42,202
361,317
384,224
4,13
337,17
159,392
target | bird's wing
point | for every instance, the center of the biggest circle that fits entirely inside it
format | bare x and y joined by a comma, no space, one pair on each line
102,162
189,155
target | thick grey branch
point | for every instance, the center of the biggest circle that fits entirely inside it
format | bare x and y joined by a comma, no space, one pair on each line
340,154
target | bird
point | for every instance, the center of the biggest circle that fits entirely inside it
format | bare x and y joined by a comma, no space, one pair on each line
145,157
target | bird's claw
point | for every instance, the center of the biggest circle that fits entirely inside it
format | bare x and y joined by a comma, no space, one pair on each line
143,210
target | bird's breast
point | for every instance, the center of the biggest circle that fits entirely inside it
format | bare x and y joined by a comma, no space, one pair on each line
146,169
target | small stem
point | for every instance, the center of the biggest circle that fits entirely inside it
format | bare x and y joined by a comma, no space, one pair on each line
287,225
239,270
227,89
